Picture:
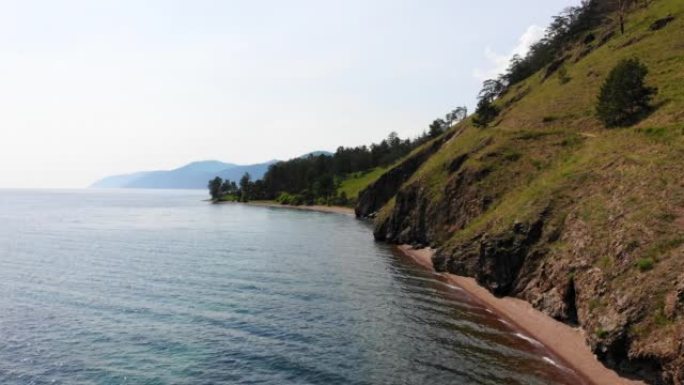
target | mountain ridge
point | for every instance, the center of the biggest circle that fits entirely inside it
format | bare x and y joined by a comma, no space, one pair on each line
193,175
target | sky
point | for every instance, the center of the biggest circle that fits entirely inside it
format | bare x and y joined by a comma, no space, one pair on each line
94,88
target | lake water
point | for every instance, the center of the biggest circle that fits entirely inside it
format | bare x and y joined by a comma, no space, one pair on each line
153,287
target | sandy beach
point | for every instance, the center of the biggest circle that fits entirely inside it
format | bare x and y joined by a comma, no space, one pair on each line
324,209
564,341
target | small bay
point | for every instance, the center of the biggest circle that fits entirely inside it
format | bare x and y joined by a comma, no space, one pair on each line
160,287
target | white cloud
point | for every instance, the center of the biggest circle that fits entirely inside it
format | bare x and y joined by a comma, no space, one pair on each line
497,62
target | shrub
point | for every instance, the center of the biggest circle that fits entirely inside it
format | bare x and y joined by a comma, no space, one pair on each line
214,186
485,113
660,318
624,98
645,264
605,262
593,304
601,333
228,198
563,75
289,199
341,199
511,155
321,201
571,140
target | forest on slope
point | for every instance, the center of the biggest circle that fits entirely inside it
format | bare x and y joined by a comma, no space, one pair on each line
326,178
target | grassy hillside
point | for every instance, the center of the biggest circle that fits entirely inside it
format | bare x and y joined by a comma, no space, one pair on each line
586,223
354,183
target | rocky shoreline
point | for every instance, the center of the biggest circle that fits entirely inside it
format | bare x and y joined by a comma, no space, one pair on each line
318,208
595,266
566,342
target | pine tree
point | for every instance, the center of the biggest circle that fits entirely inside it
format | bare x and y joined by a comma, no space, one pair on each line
214,186
624,98
485,113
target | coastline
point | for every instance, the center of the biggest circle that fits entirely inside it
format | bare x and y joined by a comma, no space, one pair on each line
564,341
319,208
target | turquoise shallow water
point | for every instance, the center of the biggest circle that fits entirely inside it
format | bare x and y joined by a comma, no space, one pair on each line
158,287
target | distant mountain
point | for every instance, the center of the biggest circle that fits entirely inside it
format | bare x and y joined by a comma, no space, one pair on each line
206,166
191,176
118,181
256,171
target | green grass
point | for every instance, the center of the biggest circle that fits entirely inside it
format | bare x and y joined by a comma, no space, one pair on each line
572,103
355,183
645,264
552,142
615,194
664,245
434,173
228,198
600,333
605,262
594,304
660,319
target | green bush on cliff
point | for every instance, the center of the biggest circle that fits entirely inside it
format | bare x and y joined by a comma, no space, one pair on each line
645,264
624,97
601,333
485,113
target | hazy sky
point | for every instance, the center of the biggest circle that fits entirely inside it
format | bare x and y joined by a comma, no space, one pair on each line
93,88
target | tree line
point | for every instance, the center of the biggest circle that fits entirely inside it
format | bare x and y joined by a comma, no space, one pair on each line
573,24
315,179
564,29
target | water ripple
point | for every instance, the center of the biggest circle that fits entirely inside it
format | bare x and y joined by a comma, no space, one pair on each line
122,287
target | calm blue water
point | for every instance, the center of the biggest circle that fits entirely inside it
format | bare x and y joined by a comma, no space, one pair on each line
113,287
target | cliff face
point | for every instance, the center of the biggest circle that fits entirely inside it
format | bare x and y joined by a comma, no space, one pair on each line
371,200
585,223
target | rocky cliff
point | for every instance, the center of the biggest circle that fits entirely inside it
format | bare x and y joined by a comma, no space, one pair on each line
585,223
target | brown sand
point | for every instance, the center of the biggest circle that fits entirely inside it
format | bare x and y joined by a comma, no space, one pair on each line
562,340
319,208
